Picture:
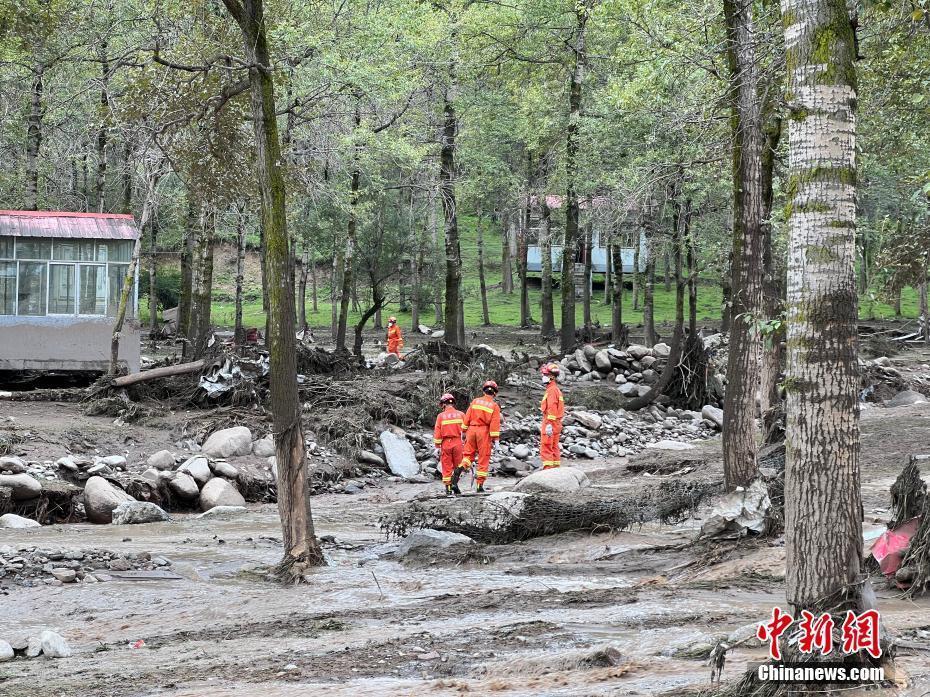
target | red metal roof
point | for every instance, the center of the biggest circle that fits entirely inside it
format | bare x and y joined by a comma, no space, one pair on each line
86,226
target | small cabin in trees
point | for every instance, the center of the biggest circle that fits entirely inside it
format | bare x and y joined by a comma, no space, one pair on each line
61,276
598,227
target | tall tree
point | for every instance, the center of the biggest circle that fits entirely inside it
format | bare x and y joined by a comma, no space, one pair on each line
454,334
301,548
823,509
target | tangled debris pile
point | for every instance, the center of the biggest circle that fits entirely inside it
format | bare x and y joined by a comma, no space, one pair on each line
883,382
32,566
509,516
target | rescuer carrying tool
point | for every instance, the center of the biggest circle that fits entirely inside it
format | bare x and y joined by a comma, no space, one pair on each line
553,409
447,437
395,338
482,432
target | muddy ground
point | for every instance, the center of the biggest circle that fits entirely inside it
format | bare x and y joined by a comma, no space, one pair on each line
521,619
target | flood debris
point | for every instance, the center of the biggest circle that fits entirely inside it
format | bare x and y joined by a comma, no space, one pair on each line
739,513
29,565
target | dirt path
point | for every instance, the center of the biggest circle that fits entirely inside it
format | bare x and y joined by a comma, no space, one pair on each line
526,619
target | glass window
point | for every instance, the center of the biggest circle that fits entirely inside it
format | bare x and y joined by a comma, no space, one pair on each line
116,274
93,290
33,248
6,247
7,287
32,287
120,250
74,250
61,289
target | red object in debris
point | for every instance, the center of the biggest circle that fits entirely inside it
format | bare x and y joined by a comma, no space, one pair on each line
889,549
252,335
137,644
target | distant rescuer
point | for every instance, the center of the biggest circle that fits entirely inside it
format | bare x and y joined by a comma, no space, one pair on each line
553,409
482,429
395,339
447,437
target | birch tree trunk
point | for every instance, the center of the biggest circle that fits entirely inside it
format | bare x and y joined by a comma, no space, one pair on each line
202,292
823,510
739,403
545,248
773,348
301,548
482,284
128,285
452,320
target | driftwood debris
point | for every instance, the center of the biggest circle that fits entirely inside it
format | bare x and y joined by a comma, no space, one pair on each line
156,373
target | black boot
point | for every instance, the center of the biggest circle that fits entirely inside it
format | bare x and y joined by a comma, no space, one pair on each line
449,491
481,488
456,475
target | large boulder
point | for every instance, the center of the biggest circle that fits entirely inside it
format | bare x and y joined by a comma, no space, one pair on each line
162,460
12,464
221,468
229,442
521,452
199,468
367,457
662,350
602,361
400,455
54,645
24,487
100,498
559,479
429,542
184,486
629,389
6,651
16,522
263,447
583,363
638,351
219,492
906,398
137,512
588,420
713,414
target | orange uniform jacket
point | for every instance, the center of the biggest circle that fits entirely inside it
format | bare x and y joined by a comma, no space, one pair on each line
395,339
449,424
484,414
553,405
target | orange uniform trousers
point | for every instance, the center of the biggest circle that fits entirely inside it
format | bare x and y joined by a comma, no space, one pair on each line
450,456
478,443
549,450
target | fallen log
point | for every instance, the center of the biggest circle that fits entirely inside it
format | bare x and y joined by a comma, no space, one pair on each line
156,373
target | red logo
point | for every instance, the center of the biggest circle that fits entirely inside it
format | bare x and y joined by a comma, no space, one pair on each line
860,632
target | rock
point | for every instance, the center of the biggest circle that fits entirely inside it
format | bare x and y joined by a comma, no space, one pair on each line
100,498
558,479
12,464
228,442
6,651
15,522
138,512
65,575
24,486
162,460
648,361
224,512
521,452
34,648
662,350
649,377
184,485
904,398
602,361
219,492
742,634
199,468
629,389
369,458
438,334
713,414
583,363
588,420
620,379
224,469
113,461
100,468
263,447
429,541
67,463
423,329
400,455
670,445
637,351
54,645
152,474
882,361
120,564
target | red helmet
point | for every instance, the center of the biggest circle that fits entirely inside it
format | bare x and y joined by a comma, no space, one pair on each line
550,369
447,399
489,385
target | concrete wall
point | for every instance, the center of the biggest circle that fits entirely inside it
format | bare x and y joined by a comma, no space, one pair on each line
65,343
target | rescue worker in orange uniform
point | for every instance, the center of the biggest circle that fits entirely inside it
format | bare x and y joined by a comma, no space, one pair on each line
553,409
395,339
482,432
447,437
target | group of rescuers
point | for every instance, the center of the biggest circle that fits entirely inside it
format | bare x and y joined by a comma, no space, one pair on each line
460,438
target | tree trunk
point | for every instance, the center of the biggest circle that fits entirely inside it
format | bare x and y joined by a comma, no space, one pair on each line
506,259
348,272
202,294
301,548
187,272
773,345
897,302
127,176
482,284
101,183
667,272
545,248
637,276
588,278
335,286
437,286
649,280
616,310
313,284
823,509
302,290
417,258
526,318
450,216
692,281
608,269
571,174
739,403
153,273
924,312
239,329
128,285
34,137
